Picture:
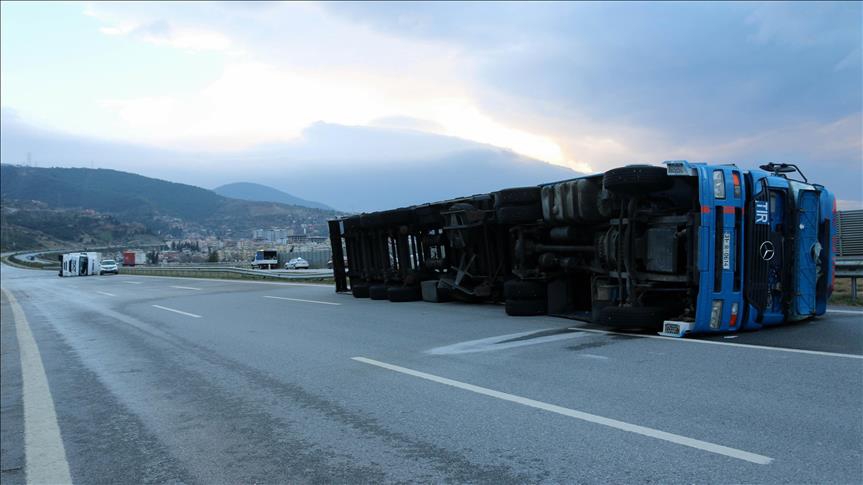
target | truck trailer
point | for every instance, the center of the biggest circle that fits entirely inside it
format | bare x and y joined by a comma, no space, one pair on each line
266,259
684,248
134,257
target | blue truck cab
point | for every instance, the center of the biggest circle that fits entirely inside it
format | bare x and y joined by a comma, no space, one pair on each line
765,247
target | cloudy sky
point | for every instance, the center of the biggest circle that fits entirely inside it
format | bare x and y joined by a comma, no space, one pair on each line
587,86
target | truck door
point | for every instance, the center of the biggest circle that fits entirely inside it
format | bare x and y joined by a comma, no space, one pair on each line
807,252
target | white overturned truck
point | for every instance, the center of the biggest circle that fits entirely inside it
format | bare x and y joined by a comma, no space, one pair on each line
688,247
80,264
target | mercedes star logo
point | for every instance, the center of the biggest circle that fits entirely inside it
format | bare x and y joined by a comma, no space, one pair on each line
767,251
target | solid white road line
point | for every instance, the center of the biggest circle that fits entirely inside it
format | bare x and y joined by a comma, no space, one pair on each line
44,453
714,342
177,311
849,312
591,418
186,288
304,301
105,293
132,282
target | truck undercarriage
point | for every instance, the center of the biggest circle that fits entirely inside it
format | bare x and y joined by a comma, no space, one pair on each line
616,248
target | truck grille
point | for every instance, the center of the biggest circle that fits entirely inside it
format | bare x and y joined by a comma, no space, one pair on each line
757,269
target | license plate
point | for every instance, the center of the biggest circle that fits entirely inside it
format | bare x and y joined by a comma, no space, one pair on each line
726,250
672,328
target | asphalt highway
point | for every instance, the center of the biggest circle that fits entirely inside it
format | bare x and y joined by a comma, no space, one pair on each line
122,379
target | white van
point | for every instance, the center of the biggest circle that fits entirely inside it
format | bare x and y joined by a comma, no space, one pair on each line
81,264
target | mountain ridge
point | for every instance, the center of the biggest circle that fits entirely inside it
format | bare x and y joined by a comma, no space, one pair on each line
111,206
264,193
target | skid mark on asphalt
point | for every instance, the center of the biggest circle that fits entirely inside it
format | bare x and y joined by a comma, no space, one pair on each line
533,335
598,343
502,342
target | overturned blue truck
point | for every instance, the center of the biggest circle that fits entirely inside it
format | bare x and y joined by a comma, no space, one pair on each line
684,248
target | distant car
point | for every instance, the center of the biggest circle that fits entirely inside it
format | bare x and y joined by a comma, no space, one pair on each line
107,266
297,263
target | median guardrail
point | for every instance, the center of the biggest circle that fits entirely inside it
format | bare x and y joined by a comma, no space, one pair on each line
224,272
850,268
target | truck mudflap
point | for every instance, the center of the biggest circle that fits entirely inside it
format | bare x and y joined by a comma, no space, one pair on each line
760,249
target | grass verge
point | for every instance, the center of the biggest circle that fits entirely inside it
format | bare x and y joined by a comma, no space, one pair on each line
842,293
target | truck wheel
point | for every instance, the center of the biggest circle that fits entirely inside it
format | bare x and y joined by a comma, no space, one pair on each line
404,293
524,290
630,317
360,291
378,292
519,214
525,308
636,179
516,196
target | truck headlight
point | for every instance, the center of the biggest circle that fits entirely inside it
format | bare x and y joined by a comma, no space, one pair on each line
716,314
718,184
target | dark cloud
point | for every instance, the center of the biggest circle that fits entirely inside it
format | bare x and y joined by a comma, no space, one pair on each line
706,69
742,82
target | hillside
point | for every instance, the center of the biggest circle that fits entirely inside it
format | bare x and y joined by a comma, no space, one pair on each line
53,205
263,193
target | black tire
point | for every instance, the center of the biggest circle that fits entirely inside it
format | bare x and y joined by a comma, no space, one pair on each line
524,290
378,292
630,317
516,196
525,308
636,179
360,291
404,293
588,200
519,214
